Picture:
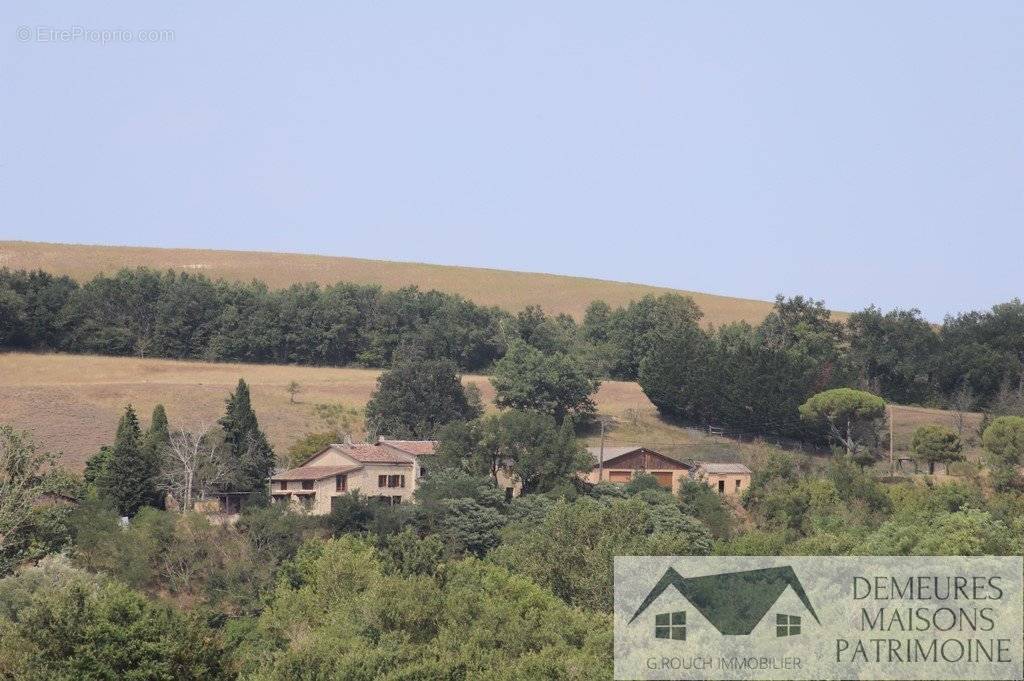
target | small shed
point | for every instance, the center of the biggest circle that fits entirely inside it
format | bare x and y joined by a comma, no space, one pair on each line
728,479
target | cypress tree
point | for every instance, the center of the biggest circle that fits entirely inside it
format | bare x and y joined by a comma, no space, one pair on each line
159,430
153,443
96,467
248,449
130,477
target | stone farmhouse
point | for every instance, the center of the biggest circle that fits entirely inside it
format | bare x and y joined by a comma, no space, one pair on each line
388,470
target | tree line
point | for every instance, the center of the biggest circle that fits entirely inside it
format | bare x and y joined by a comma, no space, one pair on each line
754,378
147,313
746,377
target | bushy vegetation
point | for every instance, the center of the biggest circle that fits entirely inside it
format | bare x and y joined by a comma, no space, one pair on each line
59,622
369,591
463,584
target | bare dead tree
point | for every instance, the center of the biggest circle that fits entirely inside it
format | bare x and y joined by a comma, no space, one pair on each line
961,404
192,463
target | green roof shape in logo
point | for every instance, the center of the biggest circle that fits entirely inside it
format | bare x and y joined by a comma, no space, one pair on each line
734,602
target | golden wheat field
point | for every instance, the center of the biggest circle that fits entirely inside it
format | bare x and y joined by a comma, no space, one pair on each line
71,403
508,290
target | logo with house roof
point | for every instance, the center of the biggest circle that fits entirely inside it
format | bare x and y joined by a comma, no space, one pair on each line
733,603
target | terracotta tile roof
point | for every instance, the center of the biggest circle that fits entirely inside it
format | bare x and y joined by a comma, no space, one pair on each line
313,472
367,453
415,447
723,468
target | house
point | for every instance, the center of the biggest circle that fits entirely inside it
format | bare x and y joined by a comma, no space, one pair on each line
726,478
388,470
767,602
620,464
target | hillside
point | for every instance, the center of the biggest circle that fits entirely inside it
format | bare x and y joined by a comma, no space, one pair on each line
71,403
509,290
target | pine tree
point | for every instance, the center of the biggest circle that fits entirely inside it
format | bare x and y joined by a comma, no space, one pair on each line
248,449
130,477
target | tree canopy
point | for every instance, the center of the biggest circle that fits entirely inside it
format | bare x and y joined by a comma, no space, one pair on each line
1004,445
845,411
936,444
529,446
550,383
416,397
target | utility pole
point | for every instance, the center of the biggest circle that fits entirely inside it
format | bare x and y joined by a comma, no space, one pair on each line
892,456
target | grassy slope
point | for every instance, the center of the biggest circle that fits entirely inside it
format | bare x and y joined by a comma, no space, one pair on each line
508,290
72,402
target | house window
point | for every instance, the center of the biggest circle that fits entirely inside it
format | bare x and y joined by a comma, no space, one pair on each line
423,471
340,482
307,501
382,481
721,486
737,485
396,481
307,484
670,625
787,625
282,484
395,501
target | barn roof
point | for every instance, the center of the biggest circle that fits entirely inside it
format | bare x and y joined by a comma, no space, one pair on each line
613,453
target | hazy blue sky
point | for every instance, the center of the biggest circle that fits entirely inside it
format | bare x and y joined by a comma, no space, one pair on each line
857,152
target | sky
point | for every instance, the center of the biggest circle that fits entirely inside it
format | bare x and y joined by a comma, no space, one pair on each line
856,152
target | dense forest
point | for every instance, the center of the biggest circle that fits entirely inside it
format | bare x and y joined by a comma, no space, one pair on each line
746,378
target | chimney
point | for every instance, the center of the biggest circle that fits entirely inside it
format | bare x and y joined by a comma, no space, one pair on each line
348,439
